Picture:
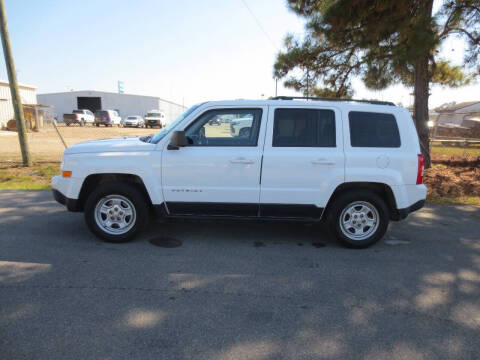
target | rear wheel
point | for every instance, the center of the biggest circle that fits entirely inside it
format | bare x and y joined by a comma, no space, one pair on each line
358,218
116,212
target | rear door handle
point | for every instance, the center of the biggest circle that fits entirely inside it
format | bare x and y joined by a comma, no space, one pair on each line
241,161
322,161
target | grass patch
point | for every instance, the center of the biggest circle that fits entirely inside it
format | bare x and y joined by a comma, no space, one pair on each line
458,151
461,200
37,177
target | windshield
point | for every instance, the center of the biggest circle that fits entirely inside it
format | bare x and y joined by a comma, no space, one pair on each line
132,118
153,114
161,134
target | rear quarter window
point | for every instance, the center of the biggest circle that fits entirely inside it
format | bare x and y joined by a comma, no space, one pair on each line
369,129
304,128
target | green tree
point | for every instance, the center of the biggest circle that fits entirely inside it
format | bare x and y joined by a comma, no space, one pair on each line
382,42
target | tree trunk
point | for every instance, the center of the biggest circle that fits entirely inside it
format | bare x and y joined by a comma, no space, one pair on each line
422,81
421,93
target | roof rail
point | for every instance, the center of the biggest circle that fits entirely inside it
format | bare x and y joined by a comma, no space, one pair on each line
374,102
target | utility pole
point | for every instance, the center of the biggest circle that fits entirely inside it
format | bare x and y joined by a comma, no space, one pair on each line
276,86
12,79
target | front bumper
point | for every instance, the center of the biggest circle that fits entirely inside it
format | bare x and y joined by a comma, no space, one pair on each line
103,122
71,204
66,191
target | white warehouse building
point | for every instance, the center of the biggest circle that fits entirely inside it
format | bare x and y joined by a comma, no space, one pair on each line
125,104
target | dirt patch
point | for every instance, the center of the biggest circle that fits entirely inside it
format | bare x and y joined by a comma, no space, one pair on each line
456,160
453,177
45,145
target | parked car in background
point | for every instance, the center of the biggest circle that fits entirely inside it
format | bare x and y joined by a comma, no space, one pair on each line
155,118
81,117
107,118
133,121
241,126
355,165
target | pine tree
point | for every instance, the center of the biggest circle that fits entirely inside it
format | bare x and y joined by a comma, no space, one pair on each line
382,42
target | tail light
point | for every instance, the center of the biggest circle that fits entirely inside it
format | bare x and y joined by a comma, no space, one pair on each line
421,163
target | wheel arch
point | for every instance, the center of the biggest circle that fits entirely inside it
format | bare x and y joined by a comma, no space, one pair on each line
382,189
93,180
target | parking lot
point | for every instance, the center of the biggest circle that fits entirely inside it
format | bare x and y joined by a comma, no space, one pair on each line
228,290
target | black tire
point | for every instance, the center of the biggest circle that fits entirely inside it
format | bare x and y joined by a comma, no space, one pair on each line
346,200
129,191
97,125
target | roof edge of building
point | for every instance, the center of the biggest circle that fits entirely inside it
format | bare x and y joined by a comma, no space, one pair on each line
6,82
110,92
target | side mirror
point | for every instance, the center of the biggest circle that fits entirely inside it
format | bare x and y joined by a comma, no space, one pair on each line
177,140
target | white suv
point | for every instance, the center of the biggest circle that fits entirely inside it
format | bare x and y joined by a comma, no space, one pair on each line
355,164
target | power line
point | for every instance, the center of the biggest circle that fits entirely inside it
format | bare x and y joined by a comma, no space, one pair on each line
259,24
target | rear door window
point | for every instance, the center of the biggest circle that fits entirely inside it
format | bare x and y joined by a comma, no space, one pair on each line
304,128
369,129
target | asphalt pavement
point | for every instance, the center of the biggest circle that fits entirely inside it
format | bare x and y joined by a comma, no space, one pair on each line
236,290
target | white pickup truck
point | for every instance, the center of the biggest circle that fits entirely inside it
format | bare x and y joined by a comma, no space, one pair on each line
81,117
354,164
155,118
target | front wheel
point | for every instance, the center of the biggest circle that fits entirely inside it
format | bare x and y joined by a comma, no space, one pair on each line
116,212
359,218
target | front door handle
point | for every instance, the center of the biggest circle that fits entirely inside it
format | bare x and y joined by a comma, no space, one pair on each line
322,161
241,161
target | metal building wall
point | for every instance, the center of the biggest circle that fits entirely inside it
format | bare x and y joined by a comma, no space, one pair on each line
27,94
62,103
127,104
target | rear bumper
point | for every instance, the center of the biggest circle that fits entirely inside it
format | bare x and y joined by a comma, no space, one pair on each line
71,204
403,213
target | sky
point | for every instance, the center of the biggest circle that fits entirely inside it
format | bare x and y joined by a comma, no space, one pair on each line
186,51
